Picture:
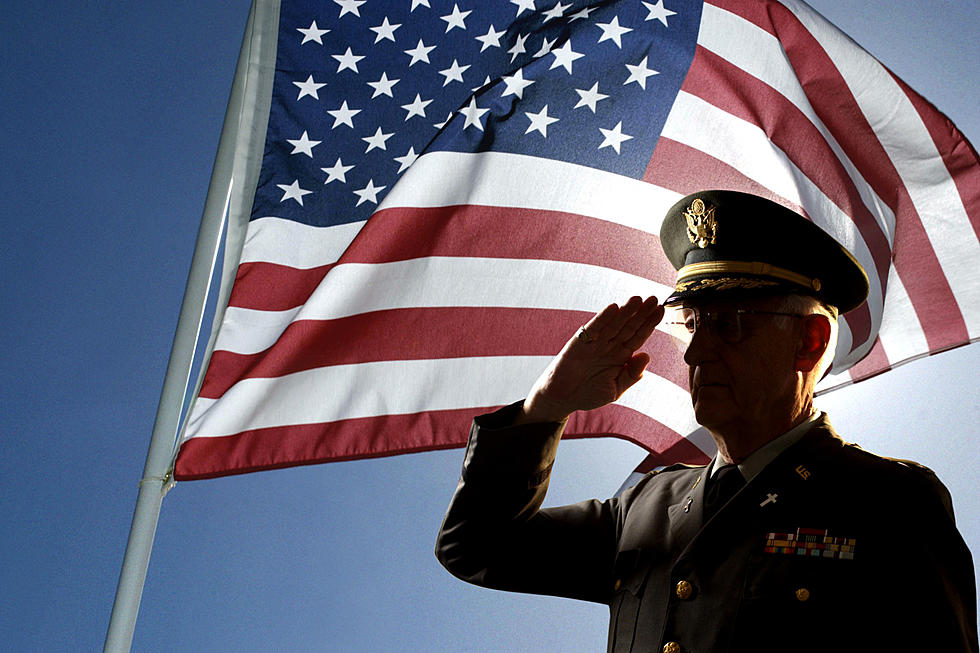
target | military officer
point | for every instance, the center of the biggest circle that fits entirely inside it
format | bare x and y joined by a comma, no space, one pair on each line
790,539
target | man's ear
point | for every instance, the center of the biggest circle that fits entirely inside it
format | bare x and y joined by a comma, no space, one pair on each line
814,339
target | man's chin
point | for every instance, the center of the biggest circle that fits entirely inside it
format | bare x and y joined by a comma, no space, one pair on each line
713,406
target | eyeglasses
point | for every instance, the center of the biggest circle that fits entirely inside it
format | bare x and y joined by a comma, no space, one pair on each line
726,324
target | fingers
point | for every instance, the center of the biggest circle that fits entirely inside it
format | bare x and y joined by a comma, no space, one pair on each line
637,330
620,323
631,372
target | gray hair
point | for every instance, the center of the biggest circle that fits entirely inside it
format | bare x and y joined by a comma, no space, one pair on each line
808,305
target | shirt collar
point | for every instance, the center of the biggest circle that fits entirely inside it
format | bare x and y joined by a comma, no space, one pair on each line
758,459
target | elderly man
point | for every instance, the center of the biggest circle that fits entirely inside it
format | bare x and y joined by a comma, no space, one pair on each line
790,539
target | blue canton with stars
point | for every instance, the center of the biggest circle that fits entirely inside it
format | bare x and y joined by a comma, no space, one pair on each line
363,87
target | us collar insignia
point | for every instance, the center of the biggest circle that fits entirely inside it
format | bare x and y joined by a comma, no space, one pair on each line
702,228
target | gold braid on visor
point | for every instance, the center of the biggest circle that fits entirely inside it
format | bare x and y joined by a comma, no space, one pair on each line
745,267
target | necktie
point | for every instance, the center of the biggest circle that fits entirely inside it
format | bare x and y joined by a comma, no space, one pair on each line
722,486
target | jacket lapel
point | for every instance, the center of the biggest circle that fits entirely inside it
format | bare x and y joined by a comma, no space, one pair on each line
686,516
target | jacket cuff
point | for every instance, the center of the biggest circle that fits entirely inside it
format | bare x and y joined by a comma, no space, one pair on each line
497,447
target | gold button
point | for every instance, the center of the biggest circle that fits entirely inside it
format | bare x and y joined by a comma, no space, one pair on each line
617,585
802,594
684,590
672,647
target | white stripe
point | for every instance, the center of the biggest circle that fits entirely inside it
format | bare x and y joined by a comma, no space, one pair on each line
659,398
913,152
517,180
356,288
484,179
287,242
760,54
373,389
746,147
899,337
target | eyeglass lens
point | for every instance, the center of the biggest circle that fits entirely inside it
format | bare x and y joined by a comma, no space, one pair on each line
685,321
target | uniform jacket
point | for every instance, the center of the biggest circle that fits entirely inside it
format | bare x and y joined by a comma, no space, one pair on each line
829,548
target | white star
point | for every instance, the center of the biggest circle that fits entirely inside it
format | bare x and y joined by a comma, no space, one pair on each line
417,107
343,115
440,125
581,14
456,18
304,145
516,84
522,5
293,192
420,53
612,31
377,141
658,12
418,3
383,86
312,33
337,172
350,7
518,47
614,137
385,31
453,73
473,114
309,87
590,97
545,47
556,11
564,56
369,193
491,39
639,73
348,60
407,160
539,121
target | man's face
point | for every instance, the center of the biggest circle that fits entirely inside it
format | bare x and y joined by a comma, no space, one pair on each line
750,382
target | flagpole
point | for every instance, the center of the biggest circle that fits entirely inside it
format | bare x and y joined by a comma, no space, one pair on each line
157,472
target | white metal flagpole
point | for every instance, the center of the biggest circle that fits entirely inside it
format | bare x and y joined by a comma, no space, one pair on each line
236,160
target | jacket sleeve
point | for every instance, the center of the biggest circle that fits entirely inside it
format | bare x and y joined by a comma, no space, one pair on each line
945,599
495,533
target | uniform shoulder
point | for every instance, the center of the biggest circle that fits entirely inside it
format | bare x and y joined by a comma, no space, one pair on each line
914,476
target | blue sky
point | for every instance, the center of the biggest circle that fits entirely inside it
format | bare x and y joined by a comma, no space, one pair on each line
111,117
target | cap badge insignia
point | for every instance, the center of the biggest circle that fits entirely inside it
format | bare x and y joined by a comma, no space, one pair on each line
702,228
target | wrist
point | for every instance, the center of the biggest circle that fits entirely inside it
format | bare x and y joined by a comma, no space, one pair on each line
536,411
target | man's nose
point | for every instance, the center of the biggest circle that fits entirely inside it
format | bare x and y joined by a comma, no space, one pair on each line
701,347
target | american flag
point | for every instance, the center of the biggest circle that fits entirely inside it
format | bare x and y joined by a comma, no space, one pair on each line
450,188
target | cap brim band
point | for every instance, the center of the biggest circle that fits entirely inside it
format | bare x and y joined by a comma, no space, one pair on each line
755,269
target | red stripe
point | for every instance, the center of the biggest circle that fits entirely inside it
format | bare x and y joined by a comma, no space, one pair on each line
420,334
756,12
873,364
914,259
310,444
685,170
400,234
273,287
670,456
958,154
614,420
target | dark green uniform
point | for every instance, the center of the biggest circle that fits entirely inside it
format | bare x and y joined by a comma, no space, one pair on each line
829,548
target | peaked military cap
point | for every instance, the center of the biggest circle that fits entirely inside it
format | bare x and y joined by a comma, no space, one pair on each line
725,243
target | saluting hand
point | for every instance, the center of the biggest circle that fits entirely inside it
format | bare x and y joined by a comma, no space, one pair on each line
597,365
